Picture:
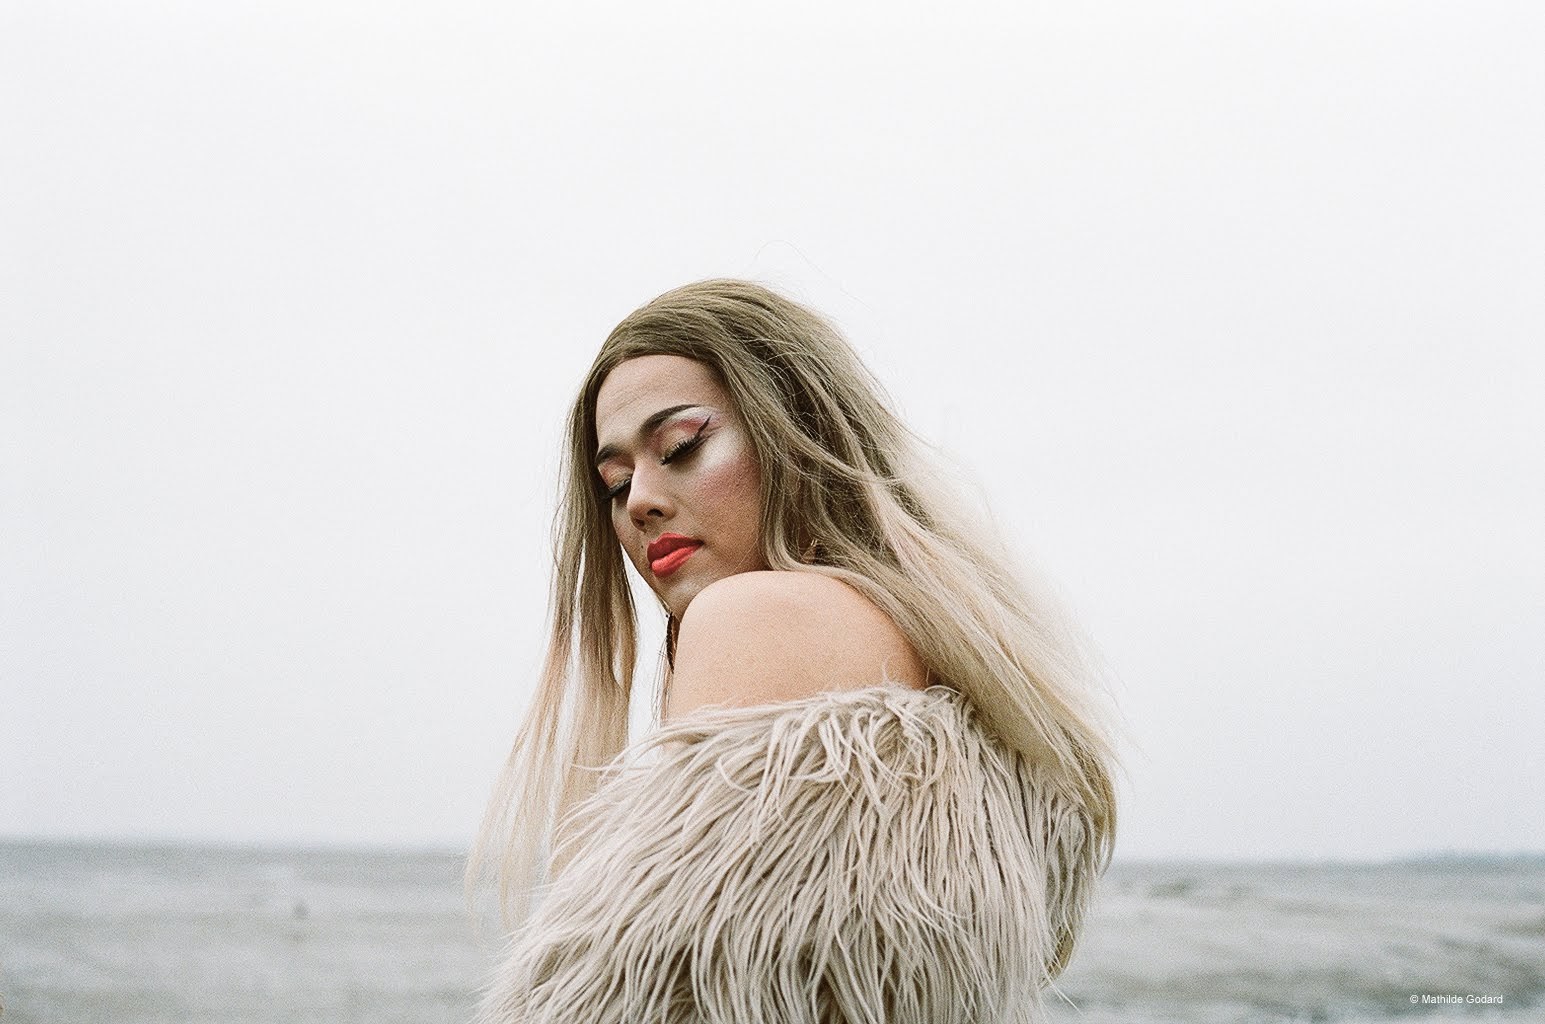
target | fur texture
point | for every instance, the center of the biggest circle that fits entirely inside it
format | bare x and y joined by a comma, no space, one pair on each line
859,857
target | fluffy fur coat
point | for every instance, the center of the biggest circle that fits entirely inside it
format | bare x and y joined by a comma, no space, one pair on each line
863,856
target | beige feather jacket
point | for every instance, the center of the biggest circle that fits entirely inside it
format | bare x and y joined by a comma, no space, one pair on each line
858,856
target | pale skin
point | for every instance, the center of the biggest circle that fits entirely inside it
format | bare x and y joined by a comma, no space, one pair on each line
674,454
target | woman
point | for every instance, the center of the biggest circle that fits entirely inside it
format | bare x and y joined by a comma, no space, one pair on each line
877,791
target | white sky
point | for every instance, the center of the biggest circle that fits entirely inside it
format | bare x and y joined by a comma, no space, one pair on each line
1234,310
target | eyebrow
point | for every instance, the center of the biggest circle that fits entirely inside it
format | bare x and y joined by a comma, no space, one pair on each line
610,451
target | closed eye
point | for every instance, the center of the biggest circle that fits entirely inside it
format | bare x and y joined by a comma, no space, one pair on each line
686,445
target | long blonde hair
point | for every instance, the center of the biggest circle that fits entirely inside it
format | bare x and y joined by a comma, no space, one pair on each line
847,492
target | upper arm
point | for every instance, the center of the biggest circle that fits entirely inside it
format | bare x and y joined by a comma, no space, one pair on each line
768,637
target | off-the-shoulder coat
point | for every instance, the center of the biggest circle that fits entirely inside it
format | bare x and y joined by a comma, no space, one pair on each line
869,855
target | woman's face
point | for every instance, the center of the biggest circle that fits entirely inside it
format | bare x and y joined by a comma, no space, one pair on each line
684,486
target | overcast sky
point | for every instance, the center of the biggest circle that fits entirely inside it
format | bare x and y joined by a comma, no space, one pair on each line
1233,311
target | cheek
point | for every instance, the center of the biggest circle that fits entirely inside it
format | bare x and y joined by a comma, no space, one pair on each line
623,530
732,488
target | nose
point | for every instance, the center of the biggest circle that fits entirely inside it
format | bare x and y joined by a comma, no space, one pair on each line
648,496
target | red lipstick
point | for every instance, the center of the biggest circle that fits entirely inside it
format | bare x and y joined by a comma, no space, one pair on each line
668,551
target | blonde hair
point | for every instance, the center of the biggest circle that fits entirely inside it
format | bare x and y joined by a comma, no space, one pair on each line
847,492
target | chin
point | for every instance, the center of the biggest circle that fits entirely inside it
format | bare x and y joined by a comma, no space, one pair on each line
678,594
680,597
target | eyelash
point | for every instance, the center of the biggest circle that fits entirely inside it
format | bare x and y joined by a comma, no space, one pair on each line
683,447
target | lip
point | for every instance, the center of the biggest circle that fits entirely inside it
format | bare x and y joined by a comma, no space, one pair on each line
667,552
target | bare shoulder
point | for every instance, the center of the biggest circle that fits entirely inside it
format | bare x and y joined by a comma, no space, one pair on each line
768,637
